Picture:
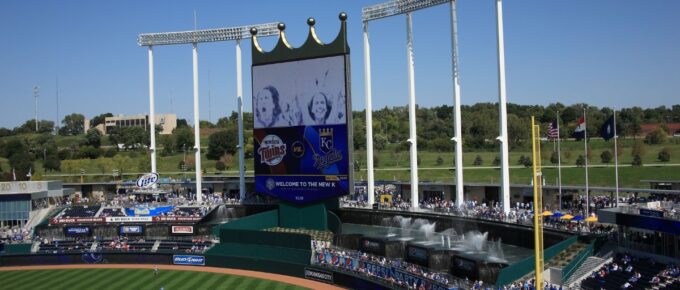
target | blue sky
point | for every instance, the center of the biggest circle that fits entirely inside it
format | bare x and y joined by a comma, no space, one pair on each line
606,53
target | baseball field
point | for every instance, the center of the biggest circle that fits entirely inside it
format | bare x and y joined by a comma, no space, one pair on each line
117,277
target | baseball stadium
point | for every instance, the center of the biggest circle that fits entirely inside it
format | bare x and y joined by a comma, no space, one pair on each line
304,219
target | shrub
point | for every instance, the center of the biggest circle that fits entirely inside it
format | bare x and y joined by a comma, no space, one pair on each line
637,161
219,165
580,161
665,155
111,152
606,156
554,157
478,160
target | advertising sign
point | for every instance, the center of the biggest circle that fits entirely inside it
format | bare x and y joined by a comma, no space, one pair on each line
182,229
147,180
373,246
651,212
301,137
319,275
129,219
131,230
77,220
177,218
77,231
417,255
190,260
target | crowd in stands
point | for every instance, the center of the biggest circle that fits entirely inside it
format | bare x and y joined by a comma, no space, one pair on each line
529,284
39,204
80,211
521,213
630,272
188,212
14,235
125,244
345,254
112,212
180,211
52,246
196,245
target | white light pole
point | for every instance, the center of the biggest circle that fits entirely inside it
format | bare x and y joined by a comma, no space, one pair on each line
241,148
201,36
503,138
413,142
616,160
57,122
152,113
36,92
458,137
585,153
369,119
197,129
384,10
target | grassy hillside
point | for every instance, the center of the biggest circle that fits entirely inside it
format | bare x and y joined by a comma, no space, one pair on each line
392,164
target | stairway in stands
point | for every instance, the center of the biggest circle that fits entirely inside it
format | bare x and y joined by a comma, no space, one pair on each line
37,216
156,245
591,264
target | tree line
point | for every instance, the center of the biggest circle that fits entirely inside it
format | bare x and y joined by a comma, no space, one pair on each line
480,124
390,126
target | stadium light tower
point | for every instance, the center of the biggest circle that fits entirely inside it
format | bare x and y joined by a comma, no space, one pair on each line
375,12
194,37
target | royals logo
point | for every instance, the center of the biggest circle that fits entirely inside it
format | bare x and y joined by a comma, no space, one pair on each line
326,146
326,140
272,150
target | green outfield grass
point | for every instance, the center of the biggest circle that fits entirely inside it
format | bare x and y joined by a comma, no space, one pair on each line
132,279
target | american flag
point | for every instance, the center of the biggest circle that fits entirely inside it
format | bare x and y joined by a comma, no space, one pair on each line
553,132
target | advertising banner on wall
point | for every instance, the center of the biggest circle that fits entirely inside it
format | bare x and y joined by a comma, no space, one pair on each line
77,231
129,219
131,230
301,137
182,230
190,260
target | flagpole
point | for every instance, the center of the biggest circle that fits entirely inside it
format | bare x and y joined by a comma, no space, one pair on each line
559,160
585,147
616,160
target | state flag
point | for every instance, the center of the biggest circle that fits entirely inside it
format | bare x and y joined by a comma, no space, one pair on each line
580,131
607,130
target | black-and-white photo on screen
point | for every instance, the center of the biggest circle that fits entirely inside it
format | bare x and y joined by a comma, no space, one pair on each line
300,93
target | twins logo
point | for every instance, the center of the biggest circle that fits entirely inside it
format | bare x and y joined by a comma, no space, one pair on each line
326,140
272,150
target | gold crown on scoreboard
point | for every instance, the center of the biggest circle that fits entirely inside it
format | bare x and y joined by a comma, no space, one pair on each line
313,47
326,132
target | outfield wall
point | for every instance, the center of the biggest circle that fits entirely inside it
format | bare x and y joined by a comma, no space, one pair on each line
83,258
